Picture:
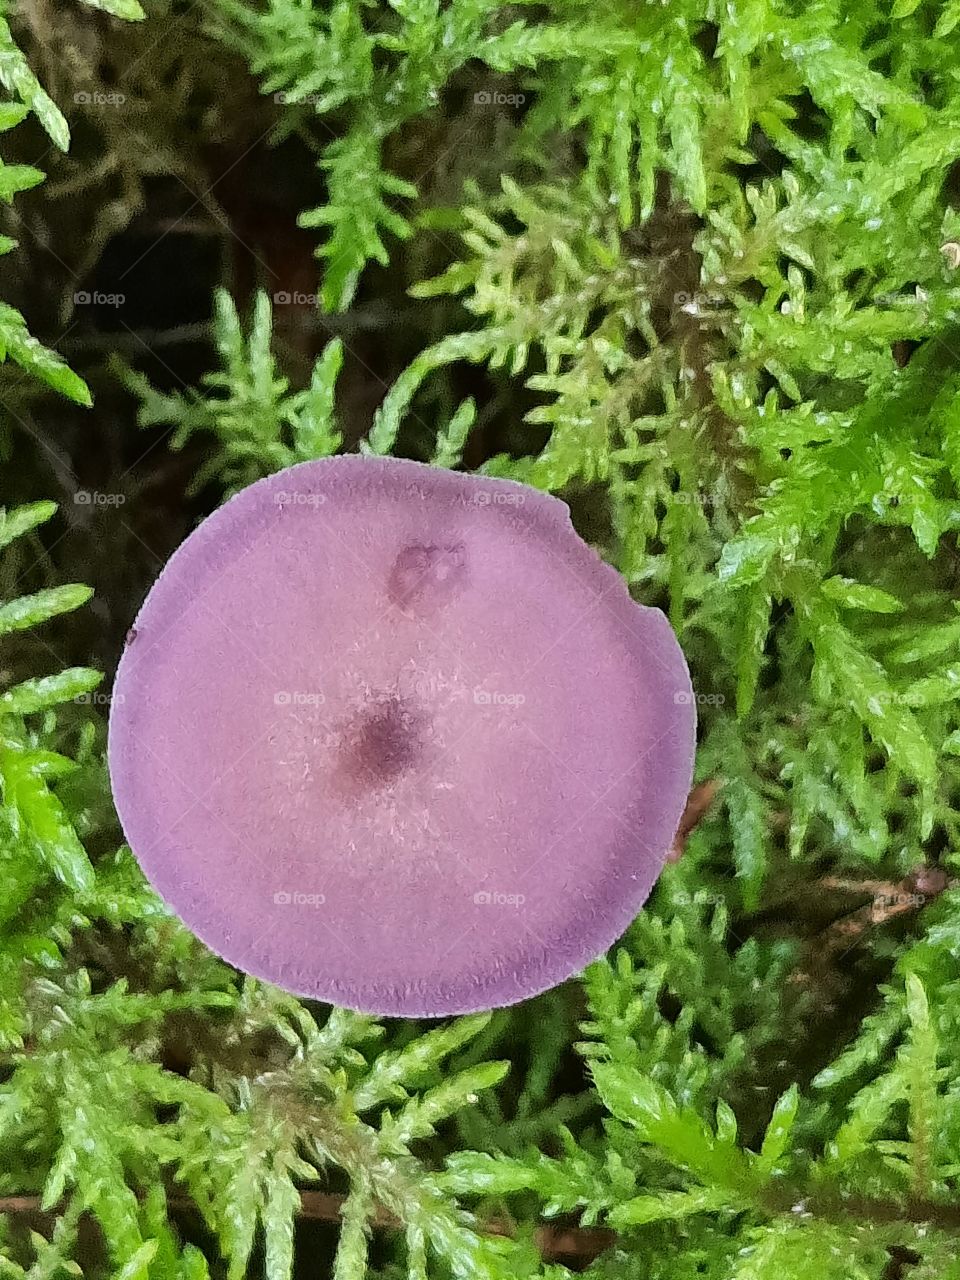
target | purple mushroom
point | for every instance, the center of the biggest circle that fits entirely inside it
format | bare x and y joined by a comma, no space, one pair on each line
396,738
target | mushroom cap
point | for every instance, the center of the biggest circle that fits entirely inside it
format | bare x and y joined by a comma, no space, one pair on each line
396,738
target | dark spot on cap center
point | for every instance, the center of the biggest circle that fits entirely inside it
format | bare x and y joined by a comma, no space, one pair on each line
382,742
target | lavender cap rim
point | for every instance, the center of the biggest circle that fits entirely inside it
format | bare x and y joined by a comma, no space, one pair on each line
441,997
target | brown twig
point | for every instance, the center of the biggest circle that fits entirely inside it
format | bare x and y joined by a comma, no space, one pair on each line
554,1242
698,802
584,1244
888,900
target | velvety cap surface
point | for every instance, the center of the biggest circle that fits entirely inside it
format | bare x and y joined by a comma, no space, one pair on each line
394,737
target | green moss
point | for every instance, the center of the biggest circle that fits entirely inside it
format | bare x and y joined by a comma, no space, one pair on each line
710,251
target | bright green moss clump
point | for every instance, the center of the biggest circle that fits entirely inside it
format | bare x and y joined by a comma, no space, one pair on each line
694,268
